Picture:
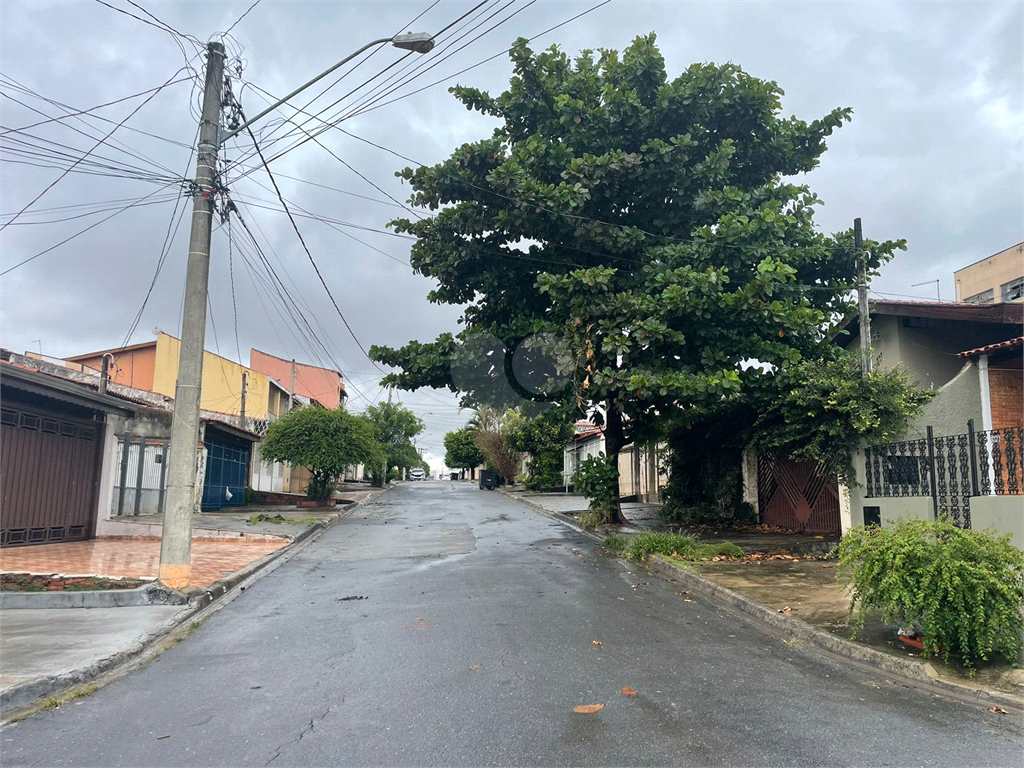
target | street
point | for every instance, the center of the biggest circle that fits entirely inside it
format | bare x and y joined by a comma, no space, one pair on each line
444,625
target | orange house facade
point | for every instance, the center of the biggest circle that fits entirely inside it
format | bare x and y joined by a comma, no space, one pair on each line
323,385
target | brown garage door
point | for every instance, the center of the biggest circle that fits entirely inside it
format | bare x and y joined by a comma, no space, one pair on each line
798,495
49,471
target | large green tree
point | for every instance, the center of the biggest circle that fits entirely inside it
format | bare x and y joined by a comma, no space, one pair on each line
652,222
324,441
461,450
394,426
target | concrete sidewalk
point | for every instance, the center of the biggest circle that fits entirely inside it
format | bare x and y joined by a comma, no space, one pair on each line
47,645
787,584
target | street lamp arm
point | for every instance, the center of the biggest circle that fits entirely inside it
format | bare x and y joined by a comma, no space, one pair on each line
224,136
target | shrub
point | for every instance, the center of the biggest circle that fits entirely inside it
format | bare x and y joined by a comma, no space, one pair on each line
598,480
963,588
680,545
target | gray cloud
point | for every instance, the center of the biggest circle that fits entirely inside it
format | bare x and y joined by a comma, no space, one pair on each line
933,155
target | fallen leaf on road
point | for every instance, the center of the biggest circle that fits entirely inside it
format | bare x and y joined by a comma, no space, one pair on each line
627,691
787,609
828,566
997,711
684,592
687,600
475,667
588,709
421,623
597,642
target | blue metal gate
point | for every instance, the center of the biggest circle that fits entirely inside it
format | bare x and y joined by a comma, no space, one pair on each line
227,472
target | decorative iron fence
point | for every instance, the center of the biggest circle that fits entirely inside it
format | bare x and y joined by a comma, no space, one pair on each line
950,469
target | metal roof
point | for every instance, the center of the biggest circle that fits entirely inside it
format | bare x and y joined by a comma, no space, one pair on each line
63,389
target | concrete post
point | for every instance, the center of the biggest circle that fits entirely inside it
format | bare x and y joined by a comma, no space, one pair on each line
176,540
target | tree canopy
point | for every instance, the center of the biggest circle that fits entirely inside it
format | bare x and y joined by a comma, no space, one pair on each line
461,450
650,222
394,427
324,441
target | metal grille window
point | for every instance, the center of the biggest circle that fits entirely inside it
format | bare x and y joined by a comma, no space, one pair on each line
1013,290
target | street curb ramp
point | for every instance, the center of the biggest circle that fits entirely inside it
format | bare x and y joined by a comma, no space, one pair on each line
920,672
24,699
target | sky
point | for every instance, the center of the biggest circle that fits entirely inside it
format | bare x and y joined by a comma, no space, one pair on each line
933,155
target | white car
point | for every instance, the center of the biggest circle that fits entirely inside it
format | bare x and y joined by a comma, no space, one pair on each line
416,474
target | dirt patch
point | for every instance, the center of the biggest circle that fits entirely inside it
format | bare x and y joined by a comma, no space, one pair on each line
33,582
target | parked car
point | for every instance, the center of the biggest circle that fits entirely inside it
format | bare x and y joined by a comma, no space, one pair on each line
416,474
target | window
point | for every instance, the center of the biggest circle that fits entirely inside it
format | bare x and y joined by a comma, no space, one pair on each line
1013,290
985,297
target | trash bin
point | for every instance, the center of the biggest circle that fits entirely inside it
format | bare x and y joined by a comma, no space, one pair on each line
488,479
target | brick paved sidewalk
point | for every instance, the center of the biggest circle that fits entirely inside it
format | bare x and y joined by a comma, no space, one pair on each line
212,559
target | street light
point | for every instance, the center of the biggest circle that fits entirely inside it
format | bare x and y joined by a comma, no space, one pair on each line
417,42
176,537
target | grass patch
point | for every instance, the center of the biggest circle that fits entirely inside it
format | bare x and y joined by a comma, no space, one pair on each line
590,519
615,543
679,545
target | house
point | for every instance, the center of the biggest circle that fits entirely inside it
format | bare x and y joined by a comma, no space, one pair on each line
997,278
251,396
227,387
135,471
963,457
56,455
642,470
323,385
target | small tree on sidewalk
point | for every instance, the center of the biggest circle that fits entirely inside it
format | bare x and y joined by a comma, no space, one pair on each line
323,441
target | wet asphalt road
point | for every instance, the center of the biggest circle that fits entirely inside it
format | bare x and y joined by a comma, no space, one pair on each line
443,625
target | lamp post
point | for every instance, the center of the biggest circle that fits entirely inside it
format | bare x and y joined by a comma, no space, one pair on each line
176,538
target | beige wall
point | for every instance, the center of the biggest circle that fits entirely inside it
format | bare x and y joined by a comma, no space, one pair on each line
222,381
1000,514
991,272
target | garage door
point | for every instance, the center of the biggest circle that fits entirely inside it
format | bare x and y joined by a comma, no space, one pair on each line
49,464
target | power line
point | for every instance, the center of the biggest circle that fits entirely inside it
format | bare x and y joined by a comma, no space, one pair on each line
358,87
90,110
138,202
94,147
247,10
302,240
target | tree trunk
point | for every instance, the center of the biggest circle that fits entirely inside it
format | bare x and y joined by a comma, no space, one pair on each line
614,441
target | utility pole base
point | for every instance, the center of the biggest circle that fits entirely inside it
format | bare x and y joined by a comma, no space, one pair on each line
175,576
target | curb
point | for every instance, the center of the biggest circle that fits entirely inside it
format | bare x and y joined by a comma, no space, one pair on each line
921,673
148,594
21,700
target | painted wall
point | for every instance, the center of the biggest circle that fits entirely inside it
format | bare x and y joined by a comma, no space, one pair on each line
956,402
321,384
133,368
990,273
222,381
1000,514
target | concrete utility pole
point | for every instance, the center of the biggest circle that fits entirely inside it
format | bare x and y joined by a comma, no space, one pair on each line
862,300
176,540
241,405
291,388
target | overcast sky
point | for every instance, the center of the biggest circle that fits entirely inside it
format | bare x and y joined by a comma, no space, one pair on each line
933,155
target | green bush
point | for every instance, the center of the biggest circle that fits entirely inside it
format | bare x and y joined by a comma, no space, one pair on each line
680,545
598,480
964,589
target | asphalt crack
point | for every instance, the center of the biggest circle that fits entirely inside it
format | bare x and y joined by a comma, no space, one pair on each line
308,729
